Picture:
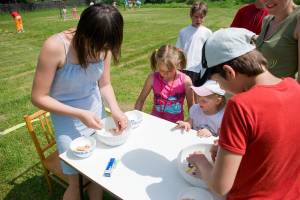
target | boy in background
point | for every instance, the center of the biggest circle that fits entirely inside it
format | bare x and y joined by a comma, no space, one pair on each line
259,136
191,40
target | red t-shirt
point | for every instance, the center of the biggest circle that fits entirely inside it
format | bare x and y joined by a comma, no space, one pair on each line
262,125
250,17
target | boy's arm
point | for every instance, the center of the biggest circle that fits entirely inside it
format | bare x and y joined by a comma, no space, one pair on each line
221,176
179,43
224,171
144,93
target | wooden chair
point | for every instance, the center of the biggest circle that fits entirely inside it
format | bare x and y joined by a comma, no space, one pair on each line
40,129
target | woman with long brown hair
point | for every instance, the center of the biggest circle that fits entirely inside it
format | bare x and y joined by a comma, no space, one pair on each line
73,70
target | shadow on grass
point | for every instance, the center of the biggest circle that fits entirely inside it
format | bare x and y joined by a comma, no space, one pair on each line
32,184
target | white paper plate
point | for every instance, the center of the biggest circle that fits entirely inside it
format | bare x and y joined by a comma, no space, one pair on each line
81,142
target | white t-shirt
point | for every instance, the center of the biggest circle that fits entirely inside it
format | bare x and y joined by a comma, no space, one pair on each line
201,120
191,40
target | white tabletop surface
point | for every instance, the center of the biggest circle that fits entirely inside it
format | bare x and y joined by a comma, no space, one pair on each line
147,166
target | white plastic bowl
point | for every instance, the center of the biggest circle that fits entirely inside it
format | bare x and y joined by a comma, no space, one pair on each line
183,164
83,146
195,193
107,137
134,117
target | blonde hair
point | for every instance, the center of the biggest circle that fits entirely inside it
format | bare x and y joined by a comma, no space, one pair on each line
222,102
168,55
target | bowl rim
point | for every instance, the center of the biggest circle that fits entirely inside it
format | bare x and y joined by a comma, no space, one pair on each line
137,113
101,132
181,169
91,139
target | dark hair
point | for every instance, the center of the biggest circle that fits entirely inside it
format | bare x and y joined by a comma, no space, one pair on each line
168,55
200,7
100,29
250,64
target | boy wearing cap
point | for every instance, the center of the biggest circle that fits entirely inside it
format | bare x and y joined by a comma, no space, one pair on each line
259,136
206,116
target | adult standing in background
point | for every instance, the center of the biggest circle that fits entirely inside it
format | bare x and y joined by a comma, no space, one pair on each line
73,69
279,39
250,16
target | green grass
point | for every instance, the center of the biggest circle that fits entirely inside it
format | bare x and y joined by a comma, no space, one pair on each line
145,30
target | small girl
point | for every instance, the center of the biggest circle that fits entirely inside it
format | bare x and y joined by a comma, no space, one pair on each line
206,116
75,13
64,13
170,86
18,21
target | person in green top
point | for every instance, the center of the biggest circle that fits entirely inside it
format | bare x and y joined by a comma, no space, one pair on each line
279,39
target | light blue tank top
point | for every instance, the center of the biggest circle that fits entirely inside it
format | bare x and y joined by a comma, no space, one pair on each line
76,87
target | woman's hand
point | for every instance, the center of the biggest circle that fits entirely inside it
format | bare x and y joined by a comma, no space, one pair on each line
183,125
204,132
90,119
121,121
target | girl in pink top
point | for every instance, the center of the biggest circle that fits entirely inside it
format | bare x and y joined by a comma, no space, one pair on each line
170,86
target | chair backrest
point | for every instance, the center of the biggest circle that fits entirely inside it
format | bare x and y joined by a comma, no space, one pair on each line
40,128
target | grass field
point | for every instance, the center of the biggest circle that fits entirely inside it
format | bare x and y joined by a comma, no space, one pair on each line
145,30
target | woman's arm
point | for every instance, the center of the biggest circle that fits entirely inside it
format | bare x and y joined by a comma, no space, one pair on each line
52,56
297,37
221,176
108,94
144,93
189,91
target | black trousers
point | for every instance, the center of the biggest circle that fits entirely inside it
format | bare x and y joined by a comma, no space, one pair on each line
196,77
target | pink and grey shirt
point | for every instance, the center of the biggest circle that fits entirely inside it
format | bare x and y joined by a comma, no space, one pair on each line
168,97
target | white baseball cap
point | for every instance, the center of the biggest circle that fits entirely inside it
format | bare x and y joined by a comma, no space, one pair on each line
226,44
208,88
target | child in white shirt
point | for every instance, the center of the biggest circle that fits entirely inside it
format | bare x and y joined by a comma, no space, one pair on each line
191,40
206,116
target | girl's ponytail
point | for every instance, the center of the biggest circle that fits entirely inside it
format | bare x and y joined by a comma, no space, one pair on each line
153,60
181,59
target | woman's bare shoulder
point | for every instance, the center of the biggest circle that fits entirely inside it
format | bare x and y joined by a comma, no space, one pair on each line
53,50
53,43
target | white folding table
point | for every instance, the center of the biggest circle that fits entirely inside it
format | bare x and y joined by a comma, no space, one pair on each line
147,167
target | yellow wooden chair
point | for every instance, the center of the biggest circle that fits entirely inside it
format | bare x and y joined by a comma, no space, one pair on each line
40,129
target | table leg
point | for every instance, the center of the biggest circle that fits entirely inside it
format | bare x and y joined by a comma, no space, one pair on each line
81,187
